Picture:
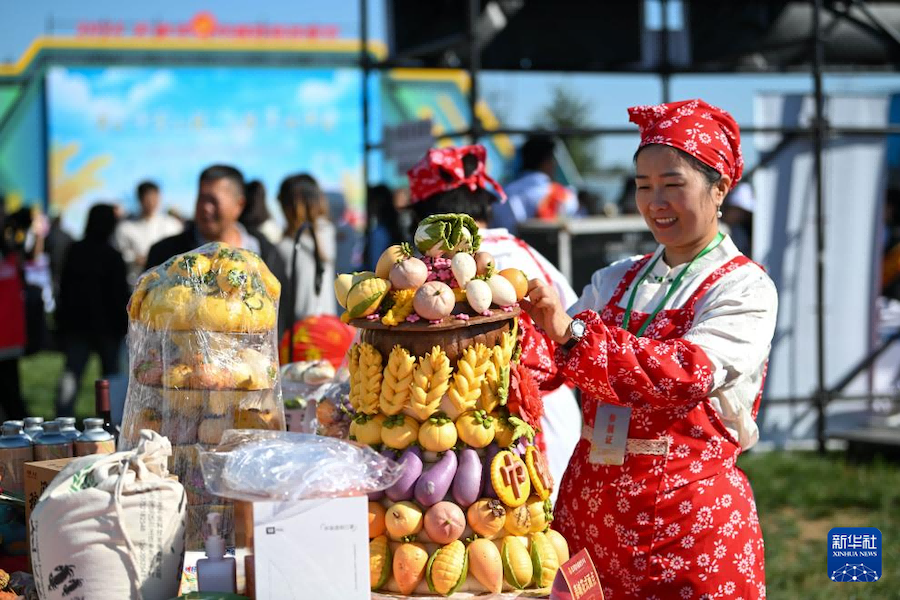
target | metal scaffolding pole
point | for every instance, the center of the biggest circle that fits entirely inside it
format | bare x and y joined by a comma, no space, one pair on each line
473,11
818,55
665,73
366,69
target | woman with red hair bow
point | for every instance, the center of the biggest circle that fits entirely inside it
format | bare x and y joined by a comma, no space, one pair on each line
670,350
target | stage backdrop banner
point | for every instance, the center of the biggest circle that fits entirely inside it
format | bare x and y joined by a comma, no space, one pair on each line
785,243
111,127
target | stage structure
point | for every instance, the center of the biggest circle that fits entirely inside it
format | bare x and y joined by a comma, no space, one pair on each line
815,36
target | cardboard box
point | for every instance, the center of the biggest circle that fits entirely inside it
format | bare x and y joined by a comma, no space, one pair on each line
38,476
307,548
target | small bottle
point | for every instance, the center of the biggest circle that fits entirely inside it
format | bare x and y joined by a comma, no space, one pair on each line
101,397
94,440
216,573
52,444
15,451
67,427
34,426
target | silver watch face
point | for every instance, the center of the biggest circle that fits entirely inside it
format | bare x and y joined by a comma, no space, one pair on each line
578,328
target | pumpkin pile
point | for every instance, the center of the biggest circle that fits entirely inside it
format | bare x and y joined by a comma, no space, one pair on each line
203,359
471,512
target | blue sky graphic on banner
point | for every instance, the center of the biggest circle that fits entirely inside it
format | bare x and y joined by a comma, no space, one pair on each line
109,128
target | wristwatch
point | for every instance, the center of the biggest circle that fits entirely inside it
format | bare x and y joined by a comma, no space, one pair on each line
577,329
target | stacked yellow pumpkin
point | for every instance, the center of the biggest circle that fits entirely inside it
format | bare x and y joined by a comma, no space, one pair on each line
202,342
471,512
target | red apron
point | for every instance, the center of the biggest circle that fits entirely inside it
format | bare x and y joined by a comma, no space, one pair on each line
680,523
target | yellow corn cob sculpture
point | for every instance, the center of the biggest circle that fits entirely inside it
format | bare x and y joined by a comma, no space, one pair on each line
403,307
398,378
353,366
470,369
490,385
508,345
430,382
370,376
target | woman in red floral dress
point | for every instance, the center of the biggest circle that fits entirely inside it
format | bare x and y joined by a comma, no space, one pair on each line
670,351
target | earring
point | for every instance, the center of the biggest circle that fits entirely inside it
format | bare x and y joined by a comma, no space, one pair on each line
719,213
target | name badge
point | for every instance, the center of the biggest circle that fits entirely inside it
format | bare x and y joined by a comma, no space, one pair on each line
610,434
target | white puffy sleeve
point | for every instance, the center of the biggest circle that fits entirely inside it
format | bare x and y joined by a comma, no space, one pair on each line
734,325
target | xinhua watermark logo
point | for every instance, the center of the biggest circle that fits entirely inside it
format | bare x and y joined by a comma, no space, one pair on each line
854,554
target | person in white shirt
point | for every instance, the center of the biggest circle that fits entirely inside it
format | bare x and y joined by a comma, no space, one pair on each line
309,244
534,195
134,237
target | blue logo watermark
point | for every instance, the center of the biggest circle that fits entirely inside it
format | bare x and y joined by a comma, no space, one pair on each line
854,554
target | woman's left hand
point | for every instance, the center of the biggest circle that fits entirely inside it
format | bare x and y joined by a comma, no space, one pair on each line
548,313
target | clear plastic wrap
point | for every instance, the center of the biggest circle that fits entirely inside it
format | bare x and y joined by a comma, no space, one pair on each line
303,384
274,465
203,358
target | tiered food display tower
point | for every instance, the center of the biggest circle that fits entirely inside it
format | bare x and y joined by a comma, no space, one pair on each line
435,382
203,359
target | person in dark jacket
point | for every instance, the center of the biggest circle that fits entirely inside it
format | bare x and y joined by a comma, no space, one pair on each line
93,295
220,201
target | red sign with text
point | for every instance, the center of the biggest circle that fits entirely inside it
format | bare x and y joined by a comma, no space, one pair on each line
581,577
204,25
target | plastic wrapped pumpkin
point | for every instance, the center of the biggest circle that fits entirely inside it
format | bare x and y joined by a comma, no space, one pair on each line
203,358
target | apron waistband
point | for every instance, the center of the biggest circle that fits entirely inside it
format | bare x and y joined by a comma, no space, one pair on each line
658,447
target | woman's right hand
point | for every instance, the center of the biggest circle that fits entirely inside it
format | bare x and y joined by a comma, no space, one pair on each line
547,311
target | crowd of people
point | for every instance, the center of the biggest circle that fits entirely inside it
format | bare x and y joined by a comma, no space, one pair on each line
82,287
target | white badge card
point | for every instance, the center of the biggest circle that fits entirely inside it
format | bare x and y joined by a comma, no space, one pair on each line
610,434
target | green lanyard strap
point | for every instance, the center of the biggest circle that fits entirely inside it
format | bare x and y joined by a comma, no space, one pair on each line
675,284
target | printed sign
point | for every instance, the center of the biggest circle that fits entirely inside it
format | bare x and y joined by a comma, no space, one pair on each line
581,577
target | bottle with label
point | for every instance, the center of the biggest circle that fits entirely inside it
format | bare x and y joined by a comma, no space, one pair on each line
215,573
101,397
34,426
94,440
51,444
15,451
67,427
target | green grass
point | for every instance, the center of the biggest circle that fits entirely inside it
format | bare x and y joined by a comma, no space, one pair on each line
800,497
40,377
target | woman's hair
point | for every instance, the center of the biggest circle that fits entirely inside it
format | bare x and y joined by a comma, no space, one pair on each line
711,176
381,203
302,201
477,204
255,211
101,223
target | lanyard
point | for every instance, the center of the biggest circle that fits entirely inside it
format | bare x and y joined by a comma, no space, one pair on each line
675,284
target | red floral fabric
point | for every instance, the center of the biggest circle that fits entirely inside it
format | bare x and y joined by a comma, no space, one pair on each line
705,132
441,170
683,525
